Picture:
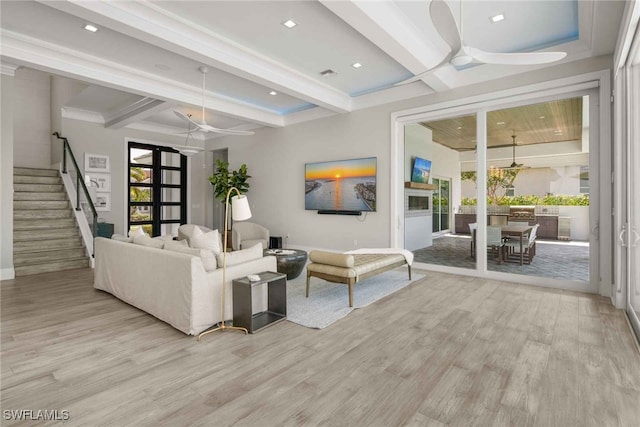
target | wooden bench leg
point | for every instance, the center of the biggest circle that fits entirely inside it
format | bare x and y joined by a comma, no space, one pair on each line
308,277
409,268
350,294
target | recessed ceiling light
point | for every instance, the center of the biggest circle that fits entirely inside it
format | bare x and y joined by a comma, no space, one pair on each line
273,92
356,65
90,27
500,123
289,24
497,18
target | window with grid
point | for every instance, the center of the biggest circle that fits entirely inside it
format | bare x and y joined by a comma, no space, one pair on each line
157,188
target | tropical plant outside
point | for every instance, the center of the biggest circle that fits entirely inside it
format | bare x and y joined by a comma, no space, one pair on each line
529,200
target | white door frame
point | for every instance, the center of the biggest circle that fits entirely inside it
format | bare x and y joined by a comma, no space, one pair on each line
602,283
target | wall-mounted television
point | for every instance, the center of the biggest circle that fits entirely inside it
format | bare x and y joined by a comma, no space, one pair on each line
421,170
341,186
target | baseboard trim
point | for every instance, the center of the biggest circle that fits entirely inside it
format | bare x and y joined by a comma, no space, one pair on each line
7,274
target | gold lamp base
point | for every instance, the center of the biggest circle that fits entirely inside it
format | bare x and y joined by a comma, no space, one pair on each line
222,328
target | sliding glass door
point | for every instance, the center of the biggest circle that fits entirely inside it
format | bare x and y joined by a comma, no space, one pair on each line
441,197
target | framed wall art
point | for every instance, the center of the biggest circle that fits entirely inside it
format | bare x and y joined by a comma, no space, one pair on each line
96,163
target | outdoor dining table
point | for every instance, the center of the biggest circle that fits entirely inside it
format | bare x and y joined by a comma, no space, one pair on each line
518,230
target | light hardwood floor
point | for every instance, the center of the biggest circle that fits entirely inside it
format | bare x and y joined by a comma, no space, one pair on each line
446,350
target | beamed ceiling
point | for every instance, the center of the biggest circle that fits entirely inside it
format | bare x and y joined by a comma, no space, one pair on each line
553,121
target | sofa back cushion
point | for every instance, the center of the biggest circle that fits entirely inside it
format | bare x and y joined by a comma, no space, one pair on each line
244,255
144,240
206,256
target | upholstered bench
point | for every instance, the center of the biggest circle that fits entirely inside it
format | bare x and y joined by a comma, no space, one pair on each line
350,268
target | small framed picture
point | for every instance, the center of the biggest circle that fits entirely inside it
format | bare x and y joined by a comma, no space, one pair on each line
103,202
96,163
100,181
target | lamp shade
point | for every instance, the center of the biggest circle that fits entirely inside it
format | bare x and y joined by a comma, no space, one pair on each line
240,210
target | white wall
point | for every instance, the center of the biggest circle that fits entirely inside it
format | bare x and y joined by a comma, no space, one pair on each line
6,177
32,119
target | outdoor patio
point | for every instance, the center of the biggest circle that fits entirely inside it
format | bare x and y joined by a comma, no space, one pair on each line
555,259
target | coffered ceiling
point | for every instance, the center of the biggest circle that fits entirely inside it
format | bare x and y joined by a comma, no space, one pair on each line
143,61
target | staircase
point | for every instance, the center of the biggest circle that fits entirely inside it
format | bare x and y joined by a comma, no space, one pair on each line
45,234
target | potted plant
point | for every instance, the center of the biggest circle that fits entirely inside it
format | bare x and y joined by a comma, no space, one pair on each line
223,180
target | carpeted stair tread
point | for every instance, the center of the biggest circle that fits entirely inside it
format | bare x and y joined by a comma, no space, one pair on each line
35,171
40,204
43,224
52,266
34,195
51,255
43,245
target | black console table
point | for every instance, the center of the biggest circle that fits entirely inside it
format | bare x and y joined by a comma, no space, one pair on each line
276,306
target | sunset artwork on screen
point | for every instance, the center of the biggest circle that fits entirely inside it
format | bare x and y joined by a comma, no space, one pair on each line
343,185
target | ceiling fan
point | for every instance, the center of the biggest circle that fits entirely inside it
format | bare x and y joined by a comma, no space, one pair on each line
514,165
203,126
461,54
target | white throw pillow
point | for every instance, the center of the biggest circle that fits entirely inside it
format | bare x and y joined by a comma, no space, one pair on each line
137,232
185,231
244,255
209,240
206,256
145,240
121,238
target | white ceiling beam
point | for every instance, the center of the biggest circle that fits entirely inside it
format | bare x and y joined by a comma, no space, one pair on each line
56,59
135,112
385,25
150,23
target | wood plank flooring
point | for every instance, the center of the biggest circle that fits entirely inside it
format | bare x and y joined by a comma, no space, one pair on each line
446,350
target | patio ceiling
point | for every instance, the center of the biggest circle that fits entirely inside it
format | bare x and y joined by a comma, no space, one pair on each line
548,122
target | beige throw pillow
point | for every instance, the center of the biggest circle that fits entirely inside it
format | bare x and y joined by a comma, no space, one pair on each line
209,240
244,255
206,256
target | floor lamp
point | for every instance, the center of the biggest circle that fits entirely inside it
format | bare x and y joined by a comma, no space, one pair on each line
240,211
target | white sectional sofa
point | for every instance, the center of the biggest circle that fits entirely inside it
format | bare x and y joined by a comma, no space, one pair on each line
172,286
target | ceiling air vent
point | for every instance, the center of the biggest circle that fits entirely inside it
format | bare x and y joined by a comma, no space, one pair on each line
328,73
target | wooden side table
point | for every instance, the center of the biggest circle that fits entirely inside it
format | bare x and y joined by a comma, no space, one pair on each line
276,306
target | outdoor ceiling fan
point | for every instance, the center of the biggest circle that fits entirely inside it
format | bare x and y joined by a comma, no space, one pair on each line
514,165
461,54
203,126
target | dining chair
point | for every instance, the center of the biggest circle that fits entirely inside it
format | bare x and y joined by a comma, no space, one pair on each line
529,247
495,242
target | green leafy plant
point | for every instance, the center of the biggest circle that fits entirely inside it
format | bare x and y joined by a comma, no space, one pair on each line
223,180
529,200
497,179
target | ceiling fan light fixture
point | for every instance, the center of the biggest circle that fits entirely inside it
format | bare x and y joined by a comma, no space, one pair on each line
461,59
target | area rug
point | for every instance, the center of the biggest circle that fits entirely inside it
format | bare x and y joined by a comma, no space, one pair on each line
329,302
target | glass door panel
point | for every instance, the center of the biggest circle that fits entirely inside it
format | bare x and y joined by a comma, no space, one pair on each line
538,189
446,146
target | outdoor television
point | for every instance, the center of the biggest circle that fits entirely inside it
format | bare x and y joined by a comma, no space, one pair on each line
421,170
341,186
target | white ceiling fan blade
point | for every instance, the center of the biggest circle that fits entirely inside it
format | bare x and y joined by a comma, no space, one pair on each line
425,73
185,117
209,128
445,24
526,58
